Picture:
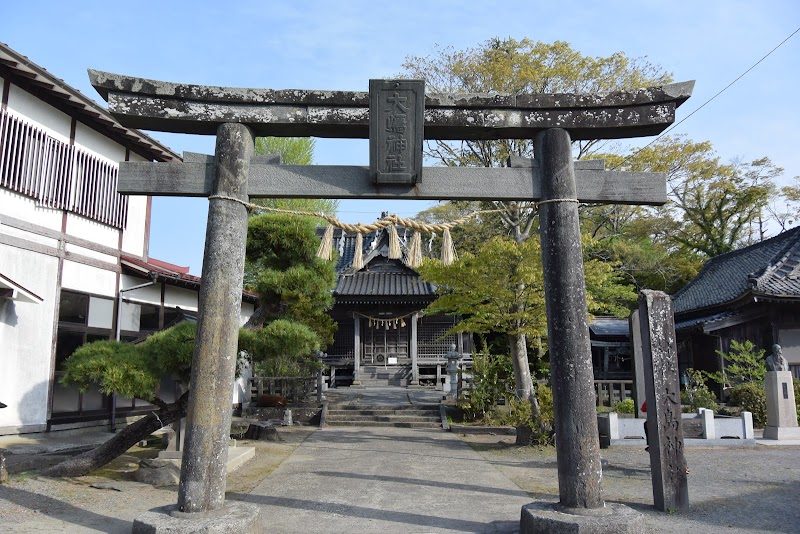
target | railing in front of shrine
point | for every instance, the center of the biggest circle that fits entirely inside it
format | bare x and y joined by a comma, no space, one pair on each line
293,388
607,393
440,358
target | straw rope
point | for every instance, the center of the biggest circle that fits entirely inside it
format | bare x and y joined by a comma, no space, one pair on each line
414,254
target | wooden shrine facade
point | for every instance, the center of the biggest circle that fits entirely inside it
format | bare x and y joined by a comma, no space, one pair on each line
379,310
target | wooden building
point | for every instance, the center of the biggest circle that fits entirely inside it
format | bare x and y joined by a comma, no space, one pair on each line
383,336
74,260
750,294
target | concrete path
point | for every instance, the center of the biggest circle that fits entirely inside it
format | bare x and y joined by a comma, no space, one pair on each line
387,480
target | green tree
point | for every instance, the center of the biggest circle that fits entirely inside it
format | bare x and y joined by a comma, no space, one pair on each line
714,207
290,326
501,289
743,364
292,283
133,371
516,66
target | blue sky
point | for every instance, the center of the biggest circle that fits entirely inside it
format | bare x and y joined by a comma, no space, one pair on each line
341,45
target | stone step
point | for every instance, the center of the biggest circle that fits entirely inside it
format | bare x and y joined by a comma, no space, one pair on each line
374,382
385,407
386,424
383,418
385,413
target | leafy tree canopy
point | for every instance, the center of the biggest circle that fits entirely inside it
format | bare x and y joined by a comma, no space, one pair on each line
500,289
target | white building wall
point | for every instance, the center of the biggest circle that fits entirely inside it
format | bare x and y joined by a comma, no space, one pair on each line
90,230
88,279
26,340
148,294
26,329
39,112
134,237
98,143
185,298
24,208
89,253
247,311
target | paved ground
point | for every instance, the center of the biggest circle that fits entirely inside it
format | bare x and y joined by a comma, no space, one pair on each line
388,480
404,480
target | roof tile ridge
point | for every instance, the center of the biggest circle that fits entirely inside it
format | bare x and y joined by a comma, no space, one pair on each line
713,262
791,248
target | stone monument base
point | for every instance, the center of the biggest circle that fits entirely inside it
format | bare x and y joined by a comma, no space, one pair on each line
613,518
238,517
781,409
782,432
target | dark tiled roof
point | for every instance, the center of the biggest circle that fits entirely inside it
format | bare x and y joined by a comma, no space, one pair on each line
609,326
769,268
380,284
705,319
381,277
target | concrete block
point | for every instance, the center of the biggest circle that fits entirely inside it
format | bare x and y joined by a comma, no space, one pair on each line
709,430
747,425
238,517
545,517
236,457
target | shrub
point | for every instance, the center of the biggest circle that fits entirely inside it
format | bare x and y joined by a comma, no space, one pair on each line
742,364
625,406
697,395
797,398
531,432
490,375
752,398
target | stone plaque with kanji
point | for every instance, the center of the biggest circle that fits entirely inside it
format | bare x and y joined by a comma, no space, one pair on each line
396,117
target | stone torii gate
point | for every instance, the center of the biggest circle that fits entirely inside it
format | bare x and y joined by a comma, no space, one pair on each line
394,115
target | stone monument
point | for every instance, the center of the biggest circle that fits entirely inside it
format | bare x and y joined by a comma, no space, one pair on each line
781,407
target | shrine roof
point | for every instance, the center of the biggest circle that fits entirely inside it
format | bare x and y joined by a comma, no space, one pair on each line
381,276
767,270
383,284
609,326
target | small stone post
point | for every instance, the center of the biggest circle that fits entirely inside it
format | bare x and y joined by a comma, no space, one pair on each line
204,465
667,462
321,355
452,370
579,471
638,365
357,350
412,348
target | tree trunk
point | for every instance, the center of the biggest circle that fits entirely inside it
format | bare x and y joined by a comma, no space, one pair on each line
124,440
524,387
522,375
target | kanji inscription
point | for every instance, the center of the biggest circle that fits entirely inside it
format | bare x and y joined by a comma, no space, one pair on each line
395,130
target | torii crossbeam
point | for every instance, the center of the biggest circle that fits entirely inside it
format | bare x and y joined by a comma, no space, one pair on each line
235,115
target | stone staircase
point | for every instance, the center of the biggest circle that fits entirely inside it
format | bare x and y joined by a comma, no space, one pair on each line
404,416
378,375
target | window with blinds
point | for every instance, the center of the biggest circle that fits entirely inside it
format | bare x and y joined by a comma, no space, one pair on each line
58,175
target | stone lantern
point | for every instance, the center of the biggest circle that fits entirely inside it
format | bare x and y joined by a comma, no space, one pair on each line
453,358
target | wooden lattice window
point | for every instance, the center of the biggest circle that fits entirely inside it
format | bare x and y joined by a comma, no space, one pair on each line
59,175
433,339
